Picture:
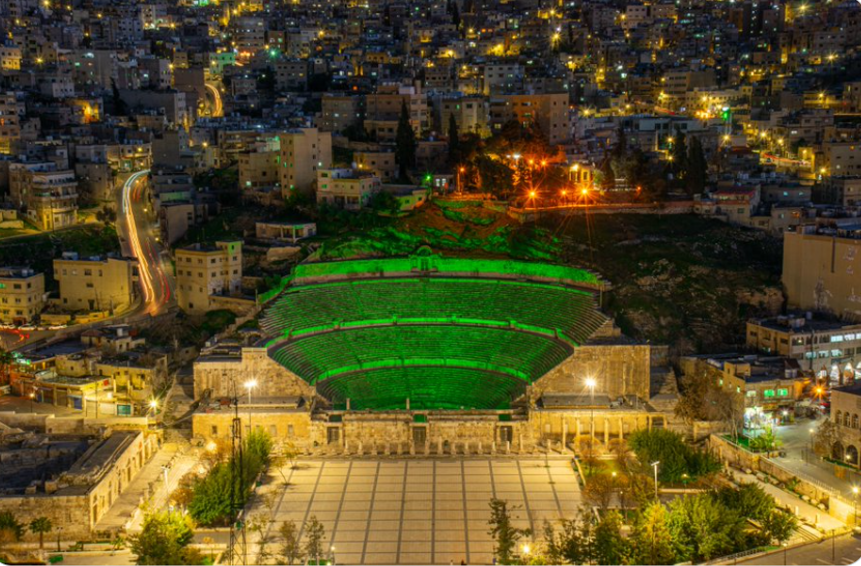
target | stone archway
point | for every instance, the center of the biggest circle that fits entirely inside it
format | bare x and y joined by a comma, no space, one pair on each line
838,452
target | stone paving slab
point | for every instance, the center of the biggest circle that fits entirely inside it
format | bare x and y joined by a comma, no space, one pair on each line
422,511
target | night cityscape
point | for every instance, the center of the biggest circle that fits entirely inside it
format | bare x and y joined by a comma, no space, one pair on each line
430,282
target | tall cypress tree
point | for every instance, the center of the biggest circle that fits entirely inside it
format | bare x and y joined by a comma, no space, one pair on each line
453,140
405,152
697,168
680,156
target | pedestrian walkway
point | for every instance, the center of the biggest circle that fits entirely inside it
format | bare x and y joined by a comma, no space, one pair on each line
802,509
124,513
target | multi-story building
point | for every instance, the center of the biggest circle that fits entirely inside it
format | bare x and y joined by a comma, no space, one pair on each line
769,385
548,111
11,110
95,283
22,294
830,348
340,112
846,414
203,271
821,269
346,188
258,170
49,195
470,114
303,152
840,159
383,110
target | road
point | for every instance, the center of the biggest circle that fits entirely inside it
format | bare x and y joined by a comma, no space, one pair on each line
139,239
217,108
840,550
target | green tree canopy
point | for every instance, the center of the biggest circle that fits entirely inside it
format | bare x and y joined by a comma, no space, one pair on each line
651,540
164,539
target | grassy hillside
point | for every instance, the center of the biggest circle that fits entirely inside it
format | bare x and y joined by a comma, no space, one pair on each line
680,280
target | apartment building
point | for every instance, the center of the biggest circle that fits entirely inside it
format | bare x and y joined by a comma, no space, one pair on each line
11,110
821,269
49,195
22,294
383,110
203,271
340,112
548,111
95,283
830,348
303,152
346,188
258,170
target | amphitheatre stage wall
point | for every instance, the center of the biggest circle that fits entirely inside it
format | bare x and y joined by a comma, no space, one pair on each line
225,376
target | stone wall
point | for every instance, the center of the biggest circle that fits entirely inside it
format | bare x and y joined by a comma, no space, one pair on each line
226,376
618,370
292,425
79,507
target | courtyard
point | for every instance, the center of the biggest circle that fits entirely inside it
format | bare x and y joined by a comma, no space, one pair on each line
387,511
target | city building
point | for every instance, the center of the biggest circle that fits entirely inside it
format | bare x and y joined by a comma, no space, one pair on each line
206,271
105,284
22,294
303,152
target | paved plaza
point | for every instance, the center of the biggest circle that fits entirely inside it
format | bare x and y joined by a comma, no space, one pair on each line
423,511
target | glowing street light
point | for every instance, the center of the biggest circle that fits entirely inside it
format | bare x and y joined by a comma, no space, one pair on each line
249,385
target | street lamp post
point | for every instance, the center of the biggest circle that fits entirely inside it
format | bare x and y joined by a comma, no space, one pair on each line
59,530
249,385
165,469
332,550
655,467
591,383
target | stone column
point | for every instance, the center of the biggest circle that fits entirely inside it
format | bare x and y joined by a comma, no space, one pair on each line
621,428
564,435
348,403
606,432
579,427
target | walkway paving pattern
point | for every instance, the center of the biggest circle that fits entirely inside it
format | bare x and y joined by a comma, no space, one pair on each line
423,511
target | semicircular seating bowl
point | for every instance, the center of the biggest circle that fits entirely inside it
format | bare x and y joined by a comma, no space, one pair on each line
541,306
506,358
426,387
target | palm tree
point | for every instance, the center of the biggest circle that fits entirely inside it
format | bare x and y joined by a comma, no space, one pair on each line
40,526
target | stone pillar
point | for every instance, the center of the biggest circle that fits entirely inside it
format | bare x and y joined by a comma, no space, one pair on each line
520,441
564,435
606,432
408,403
361,450
348,403
579,427
412,449
480,451
493,448
439,446
508,447
427,448
621,428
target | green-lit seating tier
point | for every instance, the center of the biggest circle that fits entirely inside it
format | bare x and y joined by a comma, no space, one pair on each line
427,388
523,355
570,311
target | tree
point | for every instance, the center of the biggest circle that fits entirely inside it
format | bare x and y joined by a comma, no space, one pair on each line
779,525
314,535
608,177
651,540
749,500
825,437
675,456
211,503
697,173
599,490
10,529
40,526
504,533
164,539
620,150
405,138
765,442
703,528
610,546
679,155
453,141
291,549
106,215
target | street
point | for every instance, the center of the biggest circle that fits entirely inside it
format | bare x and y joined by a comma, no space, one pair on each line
840,550
138,238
